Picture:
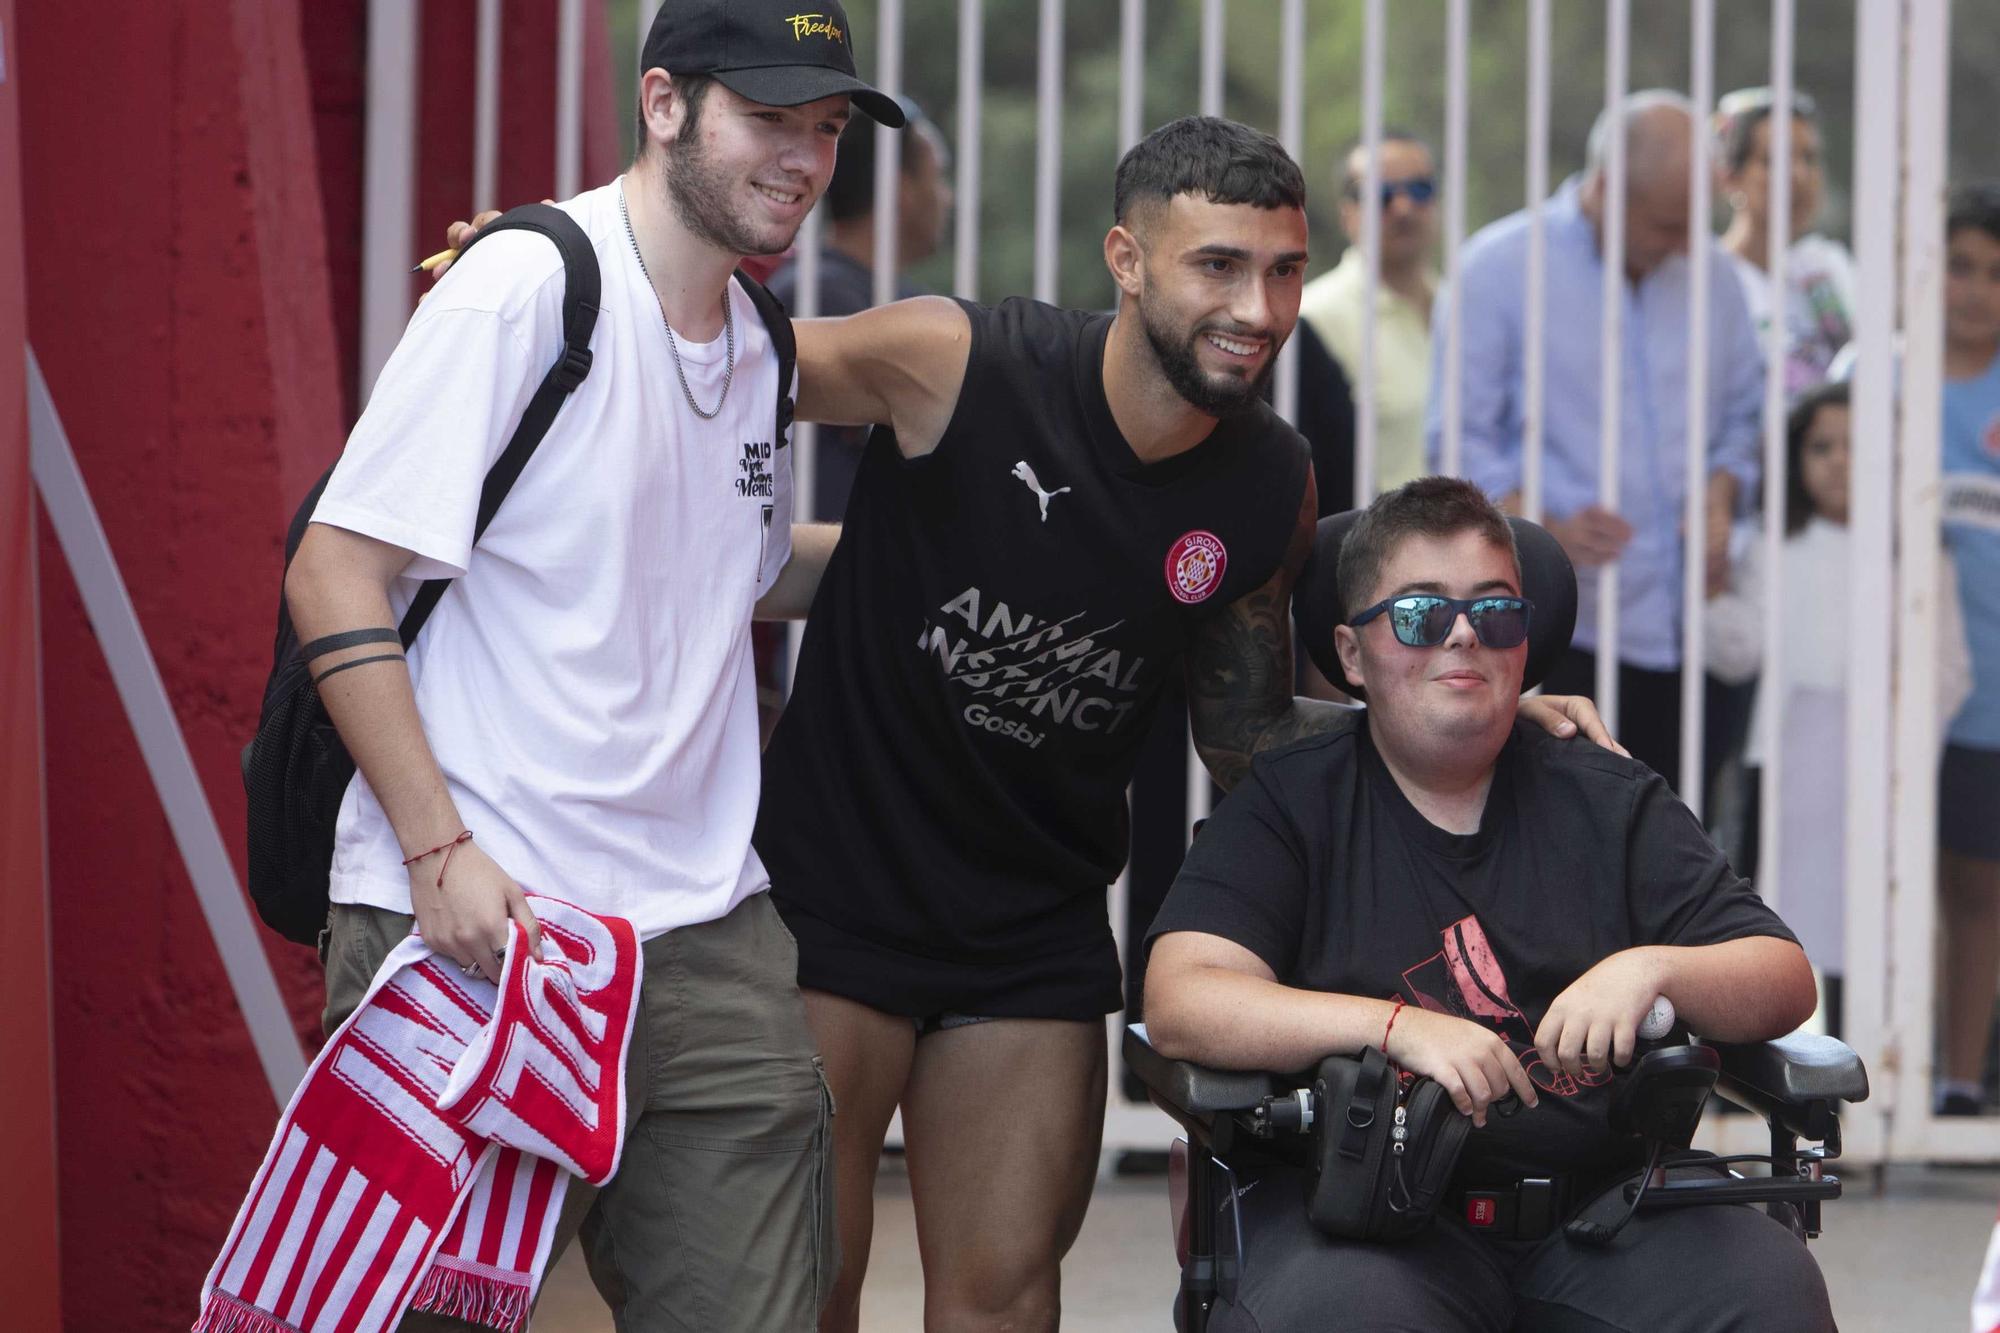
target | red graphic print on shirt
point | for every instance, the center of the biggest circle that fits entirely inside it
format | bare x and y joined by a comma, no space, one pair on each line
1465,980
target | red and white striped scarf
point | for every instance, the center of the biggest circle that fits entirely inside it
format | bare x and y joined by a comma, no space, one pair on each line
416,1168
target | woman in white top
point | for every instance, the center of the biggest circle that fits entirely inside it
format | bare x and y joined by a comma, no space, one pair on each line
1819,277
1813,604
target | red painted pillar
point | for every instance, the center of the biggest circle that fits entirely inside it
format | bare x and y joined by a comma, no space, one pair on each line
28,1287
177,301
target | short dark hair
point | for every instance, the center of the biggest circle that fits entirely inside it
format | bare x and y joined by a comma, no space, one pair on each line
851,192
1222,161
1741,112
1975,204
693,90
1426,507
1350,184
1798,504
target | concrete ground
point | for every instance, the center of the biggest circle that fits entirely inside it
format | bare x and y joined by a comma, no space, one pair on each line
1902,1259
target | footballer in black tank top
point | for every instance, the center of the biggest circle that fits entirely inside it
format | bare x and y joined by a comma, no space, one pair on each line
944,799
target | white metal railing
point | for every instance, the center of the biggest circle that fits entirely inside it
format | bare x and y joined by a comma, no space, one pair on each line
1901,68
1535,308
1913,794
1878,77
1373,23
1701,249
1458,39
1777,265
388,190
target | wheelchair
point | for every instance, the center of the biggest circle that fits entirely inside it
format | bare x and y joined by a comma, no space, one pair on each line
1796,1084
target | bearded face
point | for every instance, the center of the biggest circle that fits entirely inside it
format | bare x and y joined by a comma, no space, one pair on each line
742,176
1178,342
1218,296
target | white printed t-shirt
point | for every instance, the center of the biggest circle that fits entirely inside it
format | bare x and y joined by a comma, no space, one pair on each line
586,682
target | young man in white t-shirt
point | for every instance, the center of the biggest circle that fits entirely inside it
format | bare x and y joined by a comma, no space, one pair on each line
578,717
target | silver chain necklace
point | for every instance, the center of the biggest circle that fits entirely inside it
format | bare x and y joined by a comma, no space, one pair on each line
728,325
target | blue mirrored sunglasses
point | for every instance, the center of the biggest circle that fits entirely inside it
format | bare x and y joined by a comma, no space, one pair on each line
1421,189
1423,620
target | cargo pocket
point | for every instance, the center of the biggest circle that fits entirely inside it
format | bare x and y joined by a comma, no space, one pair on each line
825,1233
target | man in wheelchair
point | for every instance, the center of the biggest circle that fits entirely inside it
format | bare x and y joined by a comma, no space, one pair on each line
1497,910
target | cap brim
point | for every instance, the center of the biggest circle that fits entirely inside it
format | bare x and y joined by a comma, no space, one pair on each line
795,85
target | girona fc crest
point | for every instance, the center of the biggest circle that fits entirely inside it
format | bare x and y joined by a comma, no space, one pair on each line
1195,565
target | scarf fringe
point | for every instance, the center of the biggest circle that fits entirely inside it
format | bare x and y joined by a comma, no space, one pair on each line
478,1298
226,1314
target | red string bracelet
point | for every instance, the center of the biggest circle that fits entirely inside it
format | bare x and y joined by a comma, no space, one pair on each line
1396,1009
465,835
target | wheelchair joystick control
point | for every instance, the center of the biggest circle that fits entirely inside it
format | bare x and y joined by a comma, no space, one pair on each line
1659,1020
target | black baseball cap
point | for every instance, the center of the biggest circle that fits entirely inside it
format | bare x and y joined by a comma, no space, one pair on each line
777,52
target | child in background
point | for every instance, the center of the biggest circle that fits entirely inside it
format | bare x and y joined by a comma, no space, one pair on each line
1969,781
1818,302
1813,606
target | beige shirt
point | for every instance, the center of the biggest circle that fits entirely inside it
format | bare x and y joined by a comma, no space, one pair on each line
1332,304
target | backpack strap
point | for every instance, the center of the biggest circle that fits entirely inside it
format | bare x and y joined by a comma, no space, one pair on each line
779,325
581,292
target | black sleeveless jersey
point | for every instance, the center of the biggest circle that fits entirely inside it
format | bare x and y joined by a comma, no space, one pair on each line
989,642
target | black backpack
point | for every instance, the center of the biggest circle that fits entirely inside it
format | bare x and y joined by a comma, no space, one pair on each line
296,769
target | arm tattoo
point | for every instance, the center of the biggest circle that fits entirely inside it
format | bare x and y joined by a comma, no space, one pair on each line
353,638
1240,701
1239,672
359,661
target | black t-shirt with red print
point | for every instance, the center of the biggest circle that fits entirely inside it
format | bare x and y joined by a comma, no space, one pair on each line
1319,865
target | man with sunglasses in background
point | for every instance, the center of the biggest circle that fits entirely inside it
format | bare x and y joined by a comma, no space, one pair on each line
1333,304
1497,911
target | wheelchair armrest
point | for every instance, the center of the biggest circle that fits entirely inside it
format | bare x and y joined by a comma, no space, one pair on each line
1797,1081
1193,1094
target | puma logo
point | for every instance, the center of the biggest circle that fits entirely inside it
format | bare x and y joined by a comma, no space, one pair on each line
1027,477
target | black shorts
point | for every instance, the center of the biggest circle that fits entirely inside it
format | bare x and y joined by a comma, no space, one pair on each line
1081,981
1969,802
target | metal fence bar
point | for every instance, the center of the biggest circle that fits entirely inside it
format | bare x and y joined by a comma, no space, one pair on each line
1534,320
805,434
1131,72
1871,555
1769,853
486,110
1365,412
1913,775
644,12
971,67
1457,114
1200,790
569,98
388,191
1611,384
1291,133
1120,1132
162,745
888,151
1214,46
1701,248
1048,148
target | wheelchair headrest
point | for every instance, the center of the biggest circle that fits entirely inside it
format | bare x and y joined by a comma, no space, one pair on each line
1547,579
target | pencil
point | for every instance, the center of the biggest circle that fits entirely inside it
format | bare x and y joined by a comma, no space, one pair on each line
441,257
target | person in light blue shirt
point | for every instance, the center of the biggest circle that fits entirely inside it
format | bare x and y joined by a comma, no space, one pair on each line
1969,778
1643,531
